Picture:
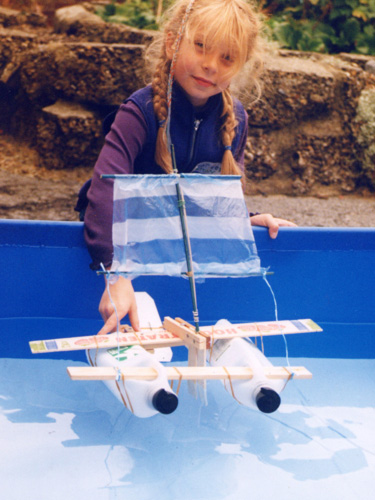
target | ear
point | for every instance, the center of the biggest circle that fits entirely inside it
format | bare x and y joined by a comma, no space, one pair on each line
170,45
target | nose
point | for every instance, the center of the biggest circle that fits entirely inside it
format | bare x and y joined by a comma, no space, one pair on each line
210,62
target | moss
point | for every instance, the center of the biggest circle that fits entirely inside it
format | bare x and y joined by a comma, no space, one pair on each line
365,117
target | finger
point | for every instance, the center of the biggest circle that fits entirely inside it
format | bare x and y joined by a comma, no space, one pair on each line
109,326
133,318
286,223
273,230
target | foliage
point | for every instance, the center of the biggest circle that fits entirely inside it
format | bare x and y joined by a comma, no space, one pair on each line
311,25
322,25
143,14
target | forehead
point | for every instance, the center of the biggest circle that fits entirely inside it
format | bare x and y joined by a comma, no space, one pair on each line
213,40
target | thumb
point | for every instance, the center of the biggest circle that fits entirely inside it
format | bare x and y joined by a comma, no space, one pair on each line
273,230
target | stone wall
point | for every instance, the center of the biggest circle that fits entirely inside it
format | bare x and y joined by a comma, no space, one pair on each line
306,133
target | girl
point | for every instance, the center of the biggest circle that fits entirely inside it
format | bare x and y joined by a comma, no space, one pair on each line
204,45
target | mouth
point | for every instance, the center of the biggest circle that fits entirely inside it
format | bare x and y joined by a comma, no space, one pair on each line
203,82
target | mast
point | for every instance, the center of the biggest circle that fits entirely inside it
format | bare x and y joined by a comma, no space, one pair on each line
188,254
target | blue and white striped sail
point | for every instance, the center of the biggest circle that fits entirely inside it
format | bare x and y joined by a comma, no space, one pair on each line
147,231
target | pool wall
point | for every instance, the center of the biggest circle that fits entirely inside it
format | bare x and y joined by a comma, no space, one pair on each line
48,290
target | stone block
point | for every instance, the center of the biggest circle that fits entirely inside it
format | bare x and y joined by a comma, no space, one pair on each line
298,88
66,17
69,135
86,72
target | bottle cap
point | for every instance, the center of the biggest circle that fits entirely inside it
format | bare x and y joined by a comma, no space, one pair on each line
165,402
267,400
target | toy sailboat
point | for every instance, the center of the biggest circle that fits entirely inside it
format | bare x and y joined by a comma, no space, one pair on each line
194,226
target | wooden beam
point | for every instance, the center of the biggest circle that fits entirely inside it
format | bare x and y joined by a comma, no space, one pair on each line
185,373
287,372
261,329
147,338
185,332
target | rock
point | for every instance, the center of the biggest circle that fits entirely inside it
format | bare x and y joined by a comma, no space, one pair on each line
366,134
86,72
11,17
13,44
69,135
66,17
301,130
293,89
304,137
370,66
82,22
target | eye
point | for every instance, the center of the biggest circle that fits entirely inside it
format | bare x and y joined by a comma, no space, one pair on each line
199,45
227,58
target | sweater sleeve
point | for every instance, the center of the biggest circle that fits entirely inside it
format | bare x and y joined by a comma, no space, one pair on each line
122,145
239,154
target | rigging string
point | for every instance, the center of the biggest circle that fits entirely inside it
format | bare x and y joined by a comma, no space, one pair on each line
119,374
290,371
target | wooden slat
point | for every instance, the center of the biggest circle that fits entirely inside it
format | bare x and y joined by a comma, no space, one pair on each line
184,331
184,372
175,333
285,372
261,329
148,338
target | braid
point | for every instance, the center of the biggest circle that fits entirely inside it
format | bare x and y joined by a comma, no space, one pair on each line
159,87
228,132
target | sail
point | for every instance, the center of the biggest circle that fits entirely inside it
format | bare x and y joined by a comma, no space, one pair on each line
147,232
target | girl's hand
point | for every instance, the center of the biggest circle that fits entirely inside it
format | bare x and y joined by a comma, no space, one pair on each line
273,224
122,294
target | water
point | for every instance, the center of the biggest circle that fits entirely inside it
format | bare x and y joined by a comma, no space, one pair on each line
74,440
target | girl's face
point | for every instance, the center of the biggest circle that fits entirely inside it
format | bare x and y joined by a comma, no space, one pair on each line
200,70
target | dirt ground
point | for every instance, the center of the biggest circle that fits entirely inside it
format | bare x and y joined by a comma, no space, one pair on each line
28,191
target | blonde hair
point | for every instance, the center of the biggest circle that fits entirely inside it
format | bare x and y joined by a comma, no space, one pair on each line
232,23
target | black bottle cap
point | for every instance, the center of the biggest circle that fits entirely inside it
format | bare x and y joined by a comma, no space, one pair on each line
267,400
165,402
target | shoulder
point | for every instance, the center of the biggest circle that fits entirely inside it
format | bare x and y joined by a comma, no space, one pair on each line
143,100
239,110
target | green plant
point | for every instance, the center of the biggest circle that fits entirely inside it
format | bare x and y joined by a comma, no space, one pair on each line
143,14
323,25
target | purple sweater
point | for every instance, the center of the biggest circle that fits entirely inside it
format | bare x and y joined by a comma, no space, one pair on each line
130,147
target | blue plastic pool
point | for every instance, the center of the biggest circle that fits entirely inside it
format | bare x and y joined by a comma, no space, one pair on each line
62,439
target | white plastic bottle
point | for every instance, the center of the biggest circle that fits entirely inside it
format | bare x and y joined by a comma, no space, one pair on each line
144,398
260,391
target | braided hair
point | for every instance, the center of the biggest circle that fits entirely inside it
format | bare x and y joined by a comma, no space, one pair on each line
233,22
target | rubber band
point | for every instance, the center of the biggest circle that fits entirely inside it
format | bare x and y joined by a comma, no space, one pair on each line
138,338
130,407
212,344
121,395
89,357
231,386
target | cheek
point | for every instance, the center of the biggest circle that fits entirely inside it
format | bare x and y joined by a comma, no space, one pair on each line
186,65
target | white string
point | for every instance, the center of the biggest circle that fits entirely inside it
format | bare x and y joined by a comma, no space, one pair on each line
109,277
280,331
